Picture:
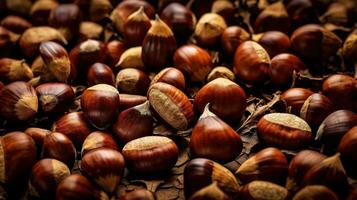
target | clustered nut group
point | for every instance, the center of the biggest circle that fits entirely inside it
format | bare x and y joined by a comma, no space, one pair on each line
98,94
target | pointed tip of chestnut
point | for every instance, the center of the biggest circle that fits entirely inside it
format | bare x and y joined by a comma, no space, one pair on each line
160,28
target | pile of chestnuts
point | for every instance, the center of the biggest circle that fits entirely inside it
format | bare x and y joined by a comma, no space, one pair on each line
178,99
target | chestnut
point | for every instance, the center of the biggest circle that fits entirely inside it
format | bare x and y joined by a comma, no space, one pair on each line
40,70
295,99
98,139
46,174
55,97
19,6
18,101
346,148
90,30
74,126
133,123
299,165
150,155
220,72
209,29
8,42
104,166
15,24
14,70
100,73
224,8
210,192
131,58
274,42
232,37
227,99
193,61
302,12
263,190
38,135
78,187
201,172
315,192
100,104
142,194
96,10
158,46
171,104
115,49
283,130
251,63
212,138
132,81
171,76
41,10
60,147
269,164
130,100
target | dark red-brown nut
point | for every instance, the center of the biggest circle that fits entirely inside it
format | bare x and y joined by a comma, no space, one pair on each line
18,153
315,43
66,18
60,147
335,126
90,30
172,105
8,41
74,126
273,18
41,10
14,70
133,123
282,69
150,155
38,135
180,19
100,73
209,29
263,190
104,166
201,172
342,91
193,61
171,76
220,72
115,49
34,36
135,28
78,187
352,195
315,192
302,12
268,164
96,11
131,58
46,174
55,97
283,130
347,149
130,100
212,138
15,24
100,105
139,194
274,42
98,139
224,8
295,99
227,99
330,173
158,46
251,63
132,81
232,37
299,165
18,101
210,192
315,109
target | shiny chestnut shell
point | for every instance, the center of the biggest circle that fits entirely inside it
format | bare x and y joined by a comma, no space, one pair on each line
115,49
38,135
295,98
15,24
130,100
209,29
347,149
100,73
98,139
315,192
171,76
142,194
132,81
232,37
274,42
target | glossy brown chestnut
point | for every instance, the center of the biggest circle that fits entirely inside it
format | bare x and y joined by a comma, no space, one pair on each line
302,12
201,172
100,73
171,104
210,192
315,192
130,100
346,148
98,139
342,91
19,101
46,174
268,164
263,190
158,46
295,99
232,37
299,165
227,99
14,70
283,130
38,135
150,155
335,126
104,166
74,126
193,61
224,8
251,63
274,42
142,194
135,28
209,29
41,10
134,123
60,147
78,187
40,70
170,76
115,49
8,41
132,81
220,72
55,97
15,24
100,105
131,58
